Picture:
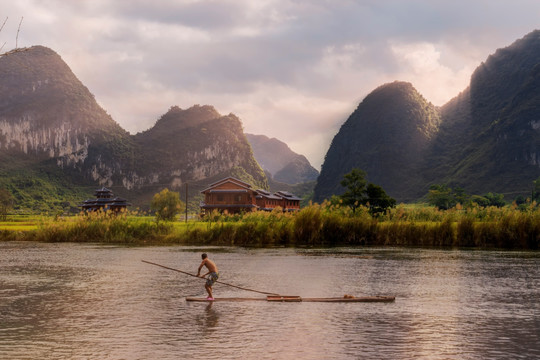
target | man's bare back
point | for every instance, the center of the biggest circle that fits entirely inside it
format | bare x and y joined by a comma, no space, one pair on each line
210,265
212,273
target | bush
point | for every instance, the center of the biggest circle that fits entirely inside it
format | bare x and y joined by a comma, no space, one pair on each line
166,204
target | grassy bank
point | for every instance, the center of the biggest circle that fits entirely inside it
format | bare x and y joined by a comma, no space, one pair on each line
314,225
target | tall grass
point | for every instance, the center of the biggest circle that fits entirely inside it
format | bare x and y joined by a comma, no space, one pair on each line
314,225
255,229
100,226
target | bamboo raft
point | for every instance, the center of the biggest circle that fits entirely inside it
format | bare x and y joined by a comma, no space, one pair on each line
279,298
273,297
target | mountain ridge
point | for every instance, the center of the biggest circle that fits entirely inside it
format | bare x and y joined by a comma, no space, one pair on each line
283,164
487,139
379,139
52,121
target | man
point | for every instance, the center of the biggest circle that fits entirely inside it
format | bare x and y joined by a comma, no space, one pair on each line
212,273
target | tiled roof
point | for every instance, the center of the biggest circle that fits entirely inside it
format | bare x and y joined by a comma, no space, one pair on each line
203,205
229,191
104,201
229,179
266,194
287,195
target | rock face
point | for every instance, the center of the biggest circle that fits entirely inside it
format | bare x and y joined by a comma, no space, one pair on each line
487,139
49,118
196,144
280,161
45,111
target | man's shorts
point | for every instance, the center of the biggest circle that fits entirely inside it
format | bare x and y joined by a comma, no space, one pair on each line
212,278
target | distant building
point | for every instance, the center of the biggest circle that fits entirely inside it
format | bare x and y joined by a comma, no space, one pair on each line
234,196
289,202
283,199
267,201
105,201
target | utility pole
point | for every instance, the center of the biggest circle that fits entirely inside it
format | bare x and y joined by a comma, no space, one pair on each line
186,200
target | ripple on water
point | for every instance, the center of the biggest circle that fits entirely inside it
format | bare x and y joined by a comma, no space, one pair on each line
70,301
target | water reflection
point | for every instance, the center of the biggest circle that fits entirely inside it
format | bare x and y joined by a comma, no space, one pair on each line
208,319
69,301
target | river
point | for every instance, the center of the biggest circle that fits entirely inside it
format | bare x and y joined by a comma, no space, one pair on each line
80,301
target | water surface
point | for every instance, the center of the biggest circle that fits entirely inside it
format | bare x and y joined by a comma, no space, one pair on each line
73,301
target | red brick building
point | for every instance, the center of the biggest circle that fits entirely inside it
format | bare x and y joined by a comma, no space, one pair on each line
234,196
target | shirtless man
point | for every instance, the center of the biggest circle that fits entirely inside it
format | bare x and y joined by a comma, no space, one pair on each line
212,273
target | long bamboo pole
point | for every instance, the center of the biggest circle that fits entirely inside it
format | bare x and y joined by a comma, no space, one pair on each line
220,282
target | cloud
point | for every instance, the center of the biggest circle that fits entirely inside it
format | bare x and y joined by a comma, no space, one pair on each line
291,69
421,64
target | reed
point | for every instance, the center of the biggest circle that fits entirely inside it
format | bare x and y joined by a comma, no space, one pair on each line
100,226
324,224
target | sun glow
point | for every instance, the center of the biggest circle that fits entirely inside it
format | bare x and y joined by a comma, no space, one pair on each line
422,65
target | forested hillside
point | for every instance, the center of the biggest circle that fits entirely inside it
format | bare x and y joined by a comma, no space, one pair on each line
57,145
387,136
486,139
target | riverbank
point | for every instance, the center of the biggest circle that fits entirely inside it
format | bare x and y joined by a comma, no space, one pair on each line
314,225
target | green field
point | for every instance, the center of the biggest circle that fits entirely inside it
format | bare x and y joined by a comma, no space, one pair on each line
20,223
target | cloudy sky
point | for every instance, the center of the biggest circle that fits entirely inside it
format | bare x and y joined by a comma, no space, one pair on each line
290,69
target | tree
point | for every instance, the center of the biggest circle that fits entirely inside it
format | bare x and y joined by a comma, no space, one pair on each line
166,204
520,200
495,199
355,182
358,194
480,200
536,190
378,200
6,203
441,196
460,196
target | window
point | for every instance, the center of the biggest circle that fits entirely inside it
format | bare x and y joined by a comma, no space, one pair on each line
220,197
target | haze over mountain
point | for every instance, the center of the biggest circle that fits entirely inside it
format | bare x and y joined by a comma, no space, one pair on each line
485,140
280,161
57,143
53,131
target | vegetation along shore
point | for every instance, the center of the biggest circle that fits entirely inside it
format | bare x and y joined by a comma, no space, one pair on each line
328,224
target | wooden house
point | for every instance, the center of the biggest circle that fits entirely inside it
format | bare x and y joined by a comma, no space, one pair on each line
105,201
234,196
289,202
230,195
267,201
